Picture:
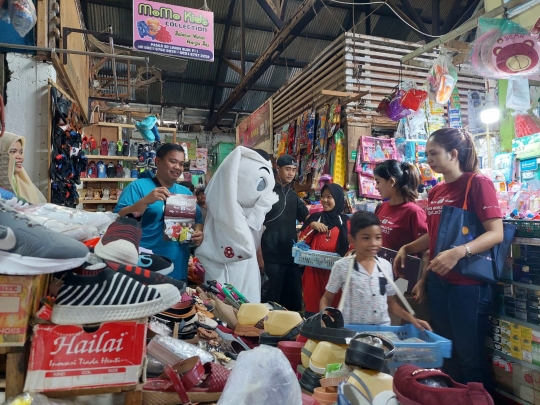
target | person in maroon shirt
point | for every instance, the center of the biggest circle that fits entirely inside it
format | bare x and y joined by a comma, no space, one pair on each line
402,220
460,306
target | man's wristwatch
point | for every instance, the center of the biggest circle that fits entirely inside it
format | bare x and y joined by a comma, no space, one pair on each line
468,249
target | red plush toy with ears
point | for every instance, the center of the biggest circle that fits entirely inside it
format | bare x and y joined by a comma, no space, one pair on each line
517,54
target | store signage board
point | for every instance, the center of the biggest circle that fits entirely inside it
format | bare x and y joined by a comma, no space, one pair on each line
256,128
173,30
527,146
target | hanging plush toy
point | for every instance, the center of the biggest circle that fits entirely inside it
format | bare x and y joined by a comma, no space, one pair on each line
238,197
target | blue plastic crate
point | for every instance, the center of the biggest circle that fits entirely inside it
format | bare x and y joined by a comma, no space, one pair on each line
430,354
315,258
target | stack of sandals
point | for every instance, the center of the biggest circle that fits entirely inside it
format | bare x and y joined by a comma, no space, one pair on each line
329,342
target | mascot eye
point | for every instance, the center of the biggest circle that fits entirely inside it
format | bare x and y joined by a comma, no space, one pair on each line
261,184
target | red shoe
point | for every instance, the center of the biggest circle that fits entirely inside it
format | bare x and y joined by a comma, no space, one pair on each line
410,390
104,149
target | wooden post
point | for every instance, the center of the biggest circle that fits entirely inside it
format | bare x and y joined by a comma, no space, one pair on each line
16,364
133,398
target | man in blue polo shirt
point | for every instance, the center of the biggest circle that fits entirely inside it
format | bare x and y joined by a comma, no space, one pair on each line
146,197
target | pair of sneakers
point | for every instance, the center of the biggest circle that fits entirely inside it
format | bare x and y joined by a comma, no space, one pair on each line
112,285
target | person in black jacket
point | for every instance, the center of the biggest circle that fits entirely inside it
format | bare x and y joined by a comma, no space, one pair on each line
284,284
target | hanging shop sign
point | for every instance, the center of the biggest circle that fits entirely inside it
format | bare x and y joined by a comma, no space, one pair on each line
257,127
173,30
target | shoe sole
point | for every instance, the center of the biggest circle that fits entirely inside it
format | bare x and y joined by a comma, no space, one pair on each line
81,315
114,252
18,265
166,271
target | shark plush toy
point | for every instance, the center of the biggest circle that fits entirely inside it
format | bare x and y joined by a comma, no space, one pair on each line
238,197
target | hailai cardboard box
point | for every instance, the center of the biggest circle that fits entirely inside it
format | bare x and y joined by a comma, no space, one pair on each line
66,357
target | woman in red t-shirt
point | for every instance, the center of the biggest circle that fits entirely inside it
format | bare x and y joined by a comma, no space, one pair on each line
402,220
326,231
460,306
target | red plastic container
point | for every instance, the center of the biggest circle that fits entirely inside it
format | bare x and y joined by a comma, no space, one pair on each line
292,350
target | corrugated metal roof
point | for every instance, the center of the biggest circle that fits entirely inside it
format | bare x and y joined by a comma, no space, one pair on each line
256,41
330,22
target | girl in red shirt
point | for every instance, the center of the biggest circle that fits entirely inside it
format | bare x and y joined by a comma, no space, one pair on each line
460,306
326,231
402,220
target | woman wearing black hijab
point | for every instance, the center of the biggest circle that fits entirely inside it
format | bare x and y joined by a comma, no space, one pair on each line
326,231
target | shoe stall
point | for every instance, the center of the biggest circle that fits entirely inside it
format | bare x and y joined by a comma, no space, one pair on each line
91,164
111,326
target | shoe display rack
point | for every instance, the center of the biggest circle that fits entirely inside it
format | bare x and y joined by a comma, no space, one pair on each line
111,187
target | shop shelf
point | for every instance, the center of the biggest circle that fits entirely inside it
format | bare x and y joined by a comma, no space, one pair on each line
315,258
511,397
527,241
517,321
522,285
514,360
118,180
433,351
103,157
526,229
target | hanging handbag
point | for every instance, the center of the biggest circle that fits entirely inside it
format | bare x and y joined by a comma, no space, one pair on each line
459,227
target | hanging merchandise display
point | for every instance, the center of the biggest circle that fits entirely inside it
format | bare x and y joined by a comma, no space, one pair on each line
454,110
474,105
504,49
20,13
340,162
442,79
435,116
413,98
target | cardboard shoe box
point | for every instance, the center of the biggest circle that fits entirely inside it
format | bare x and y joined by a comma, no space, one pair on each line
19,299
503,374
67,357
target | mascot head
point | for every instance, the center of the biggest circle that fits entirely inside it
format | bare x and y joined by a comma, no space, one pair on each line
243,177
255,177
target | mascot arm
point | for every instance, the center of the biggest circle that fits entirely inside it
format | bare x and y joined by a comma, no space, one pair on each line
263,205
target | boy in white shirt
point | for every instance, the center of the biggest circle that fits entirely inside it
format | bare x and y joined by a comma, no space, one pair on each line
369,297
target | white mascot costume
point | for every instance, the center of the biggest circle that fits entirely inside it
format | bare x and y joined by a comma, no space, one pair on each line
238,197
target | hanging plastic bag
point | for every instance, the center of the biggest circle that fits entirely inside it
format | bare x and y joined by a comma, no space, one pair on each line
4,13
525,126
262,376
413,97
517,96
441,79
395,109
23,15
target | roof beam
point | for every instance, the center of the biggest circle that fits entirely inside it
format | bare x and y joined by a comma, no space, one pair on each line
435,17
186,80
411,12
455,11
283,9
224,42
283,38
271,12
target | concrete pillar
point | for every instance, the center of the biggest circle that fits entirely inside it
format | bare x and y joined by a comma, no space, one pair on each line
27,112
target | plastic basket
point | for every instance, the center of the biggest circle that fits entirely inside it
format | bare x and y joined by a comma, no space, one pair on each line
526,229
315,258
430,354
